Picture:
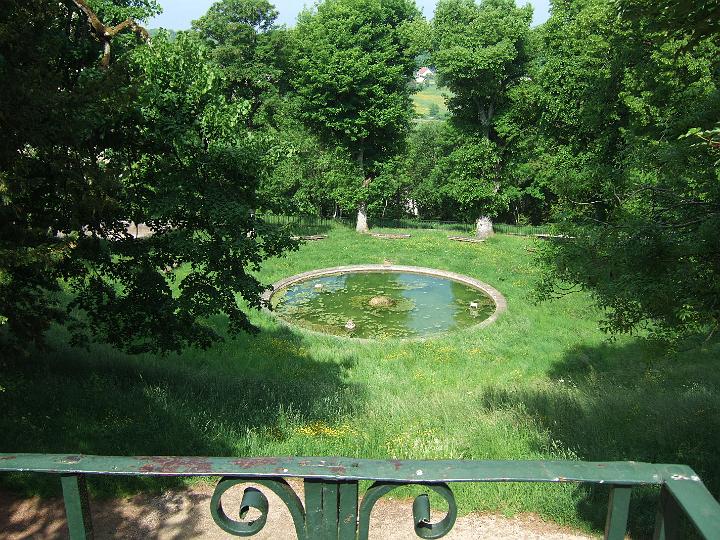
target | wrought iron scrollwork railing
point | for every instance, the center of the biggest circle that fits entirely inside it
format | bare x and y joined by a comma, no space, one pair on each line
333,510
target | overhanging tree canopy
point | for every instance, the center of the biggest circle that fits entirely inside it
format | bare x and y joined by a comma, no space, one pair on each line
613,99
85,151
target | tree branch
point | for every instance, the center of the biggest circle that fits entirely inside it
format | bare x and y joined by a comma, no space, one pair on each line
105,34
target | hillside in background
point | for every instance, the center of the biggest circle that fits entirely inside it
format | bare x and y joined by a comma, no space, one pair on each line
425,98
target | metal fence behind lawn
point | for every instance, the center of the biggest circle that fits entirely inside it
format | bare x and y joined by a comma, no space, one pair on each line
522,230
303,221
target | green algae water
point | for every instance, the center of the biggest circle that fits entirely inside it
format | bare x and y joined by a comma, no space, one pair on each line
379,305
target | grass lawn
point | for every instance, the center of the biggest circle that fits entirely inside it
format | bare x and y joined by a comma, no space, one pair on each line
541,383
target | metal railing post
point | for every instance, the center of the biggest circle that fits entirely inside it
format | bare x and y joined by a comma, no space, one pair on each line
618,512
77,506
666,520
331,509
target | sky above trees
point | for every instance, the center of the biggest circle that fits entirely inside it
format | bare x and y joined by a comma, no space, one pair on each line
178,14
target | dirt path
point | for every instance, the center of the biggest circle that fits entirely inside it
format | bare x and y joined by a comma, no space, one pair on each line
180,515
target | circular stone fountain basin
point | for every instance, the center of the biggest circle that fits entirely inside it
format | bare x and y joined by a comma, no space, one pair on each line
376,302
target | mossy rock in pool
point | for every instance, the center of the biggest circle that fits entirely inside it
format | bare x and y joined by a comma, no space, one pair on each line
362,301
381,301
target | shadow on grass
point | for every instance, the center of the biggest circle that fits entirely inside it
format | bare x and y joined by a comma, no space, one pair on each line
239,399
622,403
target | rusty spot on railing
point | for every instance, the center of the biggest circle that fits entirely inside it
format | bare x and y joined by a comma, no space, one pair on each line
5,458
162,464
247,463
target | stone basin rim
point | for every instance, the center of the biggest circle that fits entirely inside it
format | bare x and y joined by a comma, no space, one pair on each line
492,292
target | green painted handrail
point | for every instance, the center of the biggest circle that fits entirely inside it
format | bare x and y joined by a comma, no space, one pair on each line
332,509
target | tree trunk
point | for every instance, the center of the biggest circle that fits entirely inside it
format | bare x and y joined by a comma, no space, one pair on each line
105,34
488,125
362,224
485,117
484,227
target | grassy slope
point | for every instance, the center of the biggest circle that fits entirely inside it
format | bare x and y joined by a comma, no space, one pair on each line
427,96
541,383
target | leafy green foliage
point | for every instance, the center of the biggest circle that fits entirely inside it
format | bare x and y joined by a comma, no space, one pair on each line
301,176
83,152
601,119
678,18
444,174
352,62
250,49
479,54
410,176
469,176
710,137
113,12
427,146
56,118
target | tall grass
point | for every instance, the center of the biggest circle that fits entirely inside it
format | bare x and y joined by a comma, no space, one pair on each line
541,383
